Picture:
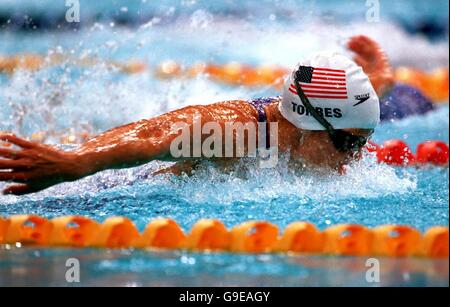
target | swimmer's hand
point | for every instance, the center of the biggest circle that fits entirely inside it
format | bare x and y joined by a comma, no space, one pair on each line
374,62
35,166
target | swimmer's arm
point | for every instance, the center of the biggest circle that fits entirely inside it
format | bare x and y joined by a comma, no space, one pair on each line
36,166
140,142
126,146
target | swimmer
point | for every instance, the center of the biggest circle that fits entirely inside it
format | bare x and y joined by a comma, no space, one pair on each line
327,113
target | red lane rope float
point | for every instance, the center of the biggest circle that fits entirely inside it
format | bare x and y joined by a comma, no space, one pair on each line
212,235
434,152
397,152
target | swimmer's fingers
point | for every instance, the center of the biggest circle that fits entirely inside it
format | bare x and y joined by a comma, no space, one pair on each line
12,139
24,183
10,154
21,164
29,149
24,186
18,189
364,47
367,49
14,176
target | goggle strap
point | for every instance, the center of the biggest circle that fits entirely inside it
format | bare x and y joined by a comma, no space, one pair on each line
311,109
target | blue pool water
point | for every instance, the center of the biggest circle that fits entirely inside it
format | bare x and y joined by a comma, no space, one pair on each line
98,98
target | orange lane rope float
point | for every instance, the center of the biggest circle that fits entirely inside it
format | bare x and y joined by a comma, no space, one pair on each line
3,226
27,229
348,239
212,235
254,237
435,242
301,237
116,232
162,233
209,235
34,62
434,84
396,241
73,231
26,61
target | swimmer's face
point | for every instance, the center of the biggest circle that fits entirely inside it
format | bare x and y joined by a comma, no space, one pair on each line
317,148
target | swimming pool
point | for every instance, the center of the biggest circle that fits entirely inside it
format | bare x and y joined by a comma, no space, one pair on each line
370,194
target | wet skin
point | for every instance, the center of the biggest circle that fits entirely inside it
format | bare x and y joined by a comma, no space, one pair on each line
34,166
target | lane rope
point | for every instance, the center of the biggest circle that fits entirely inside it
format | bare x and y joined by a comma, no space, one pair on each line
212,235
435,84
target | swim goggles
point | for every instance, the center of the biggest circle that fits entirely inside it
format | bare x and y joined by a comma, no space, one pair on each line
342,140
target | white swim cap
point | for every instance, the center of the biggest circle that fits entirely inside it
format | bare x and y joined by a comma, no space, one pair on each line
337,88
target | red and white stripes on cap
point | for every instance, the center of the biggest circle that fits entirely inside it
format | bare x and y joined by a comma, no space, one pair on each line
318,82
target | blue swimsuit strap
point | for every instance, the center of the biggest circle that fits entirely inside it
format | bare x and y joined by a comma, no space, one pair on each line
259,104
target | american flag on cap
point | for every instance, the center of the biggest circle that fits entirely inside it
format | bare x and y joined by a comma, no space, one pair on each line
324,83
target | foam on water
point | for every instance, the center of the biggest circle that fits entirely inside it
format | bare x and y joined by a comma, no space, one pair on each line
368,179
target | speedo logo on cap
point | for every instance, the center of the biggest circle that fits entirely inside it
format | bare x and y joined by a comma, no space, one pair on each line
361,98
325,83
